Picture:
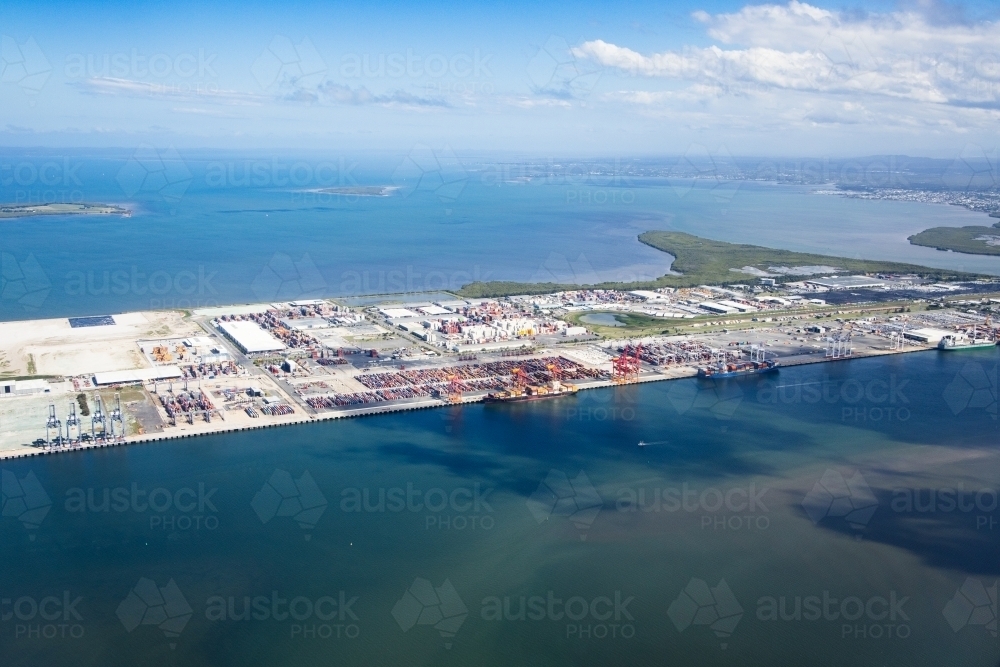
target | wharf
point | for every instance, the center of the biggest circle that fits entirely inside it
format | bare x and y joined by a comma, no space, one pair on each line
406,405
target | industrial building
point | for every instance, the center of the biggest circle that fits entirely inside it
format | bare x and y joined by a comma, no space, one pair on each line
250,338
138,376
648,295
741,307
713,307
397,313
433,310
846,282
927,336
23,387
306,323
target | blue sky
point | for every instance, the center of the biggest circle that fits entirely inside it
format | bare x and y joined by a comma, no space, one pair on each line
628,78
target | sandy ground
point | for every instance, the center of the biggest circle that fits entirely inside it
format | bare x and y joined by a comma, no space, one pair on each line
23,418
58,349
339,381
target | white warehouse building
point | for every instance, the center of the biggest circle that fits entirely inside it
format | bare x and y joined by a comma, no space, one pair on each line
250,338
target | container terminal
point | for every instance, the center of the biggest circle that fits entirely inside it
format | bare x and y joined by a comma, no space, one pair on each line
69,384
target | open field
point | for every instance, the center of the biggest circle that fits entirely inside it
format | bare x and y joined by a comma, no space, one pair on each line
633,324
53,347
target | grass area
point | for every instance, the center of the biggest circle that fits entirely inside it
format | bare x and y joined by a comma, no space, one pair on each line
958,239
702,261
128,395
636,324
639,325
32,369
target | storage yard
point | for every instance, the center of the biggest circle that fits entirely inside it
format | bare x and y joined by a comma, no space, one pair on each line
109,380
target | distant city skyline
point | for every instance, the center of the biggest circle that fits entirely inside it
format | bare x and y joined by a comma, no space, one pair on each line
636,78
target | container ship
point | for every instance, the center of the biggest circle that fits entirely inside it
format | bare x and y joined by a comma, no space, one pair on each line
554,389
738,368
961,342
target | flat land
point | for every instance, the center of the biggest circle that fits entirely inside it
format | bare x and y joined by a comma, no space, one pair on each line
359,190
53,347
30,210
699,261
974,240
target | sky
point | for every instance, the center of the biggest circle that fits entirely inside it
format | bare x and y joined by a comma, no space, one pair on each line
917,77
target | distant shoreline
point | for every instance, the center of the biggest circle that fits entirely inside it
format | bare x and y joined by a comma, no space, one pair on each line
32,210
358,190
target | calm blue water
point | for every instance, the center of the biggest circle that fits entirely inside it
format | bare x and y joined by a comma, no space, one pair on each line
607,319
470,523
211,230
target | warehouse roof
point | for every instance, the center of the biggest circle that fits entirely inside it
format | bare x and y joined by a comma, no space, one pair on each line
137,375
250,337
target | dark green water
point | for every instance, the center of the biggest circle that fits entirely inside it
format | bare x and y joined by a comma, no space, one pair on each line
608,565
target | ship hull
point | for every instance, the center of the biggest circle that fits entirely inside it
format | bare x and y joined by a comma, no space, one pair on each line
530,397
971,346
736,374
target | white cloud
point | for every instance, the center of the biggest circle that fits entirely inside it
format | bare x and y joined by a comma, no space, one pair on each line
325,93
341,94
522,102
197,92
900,55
